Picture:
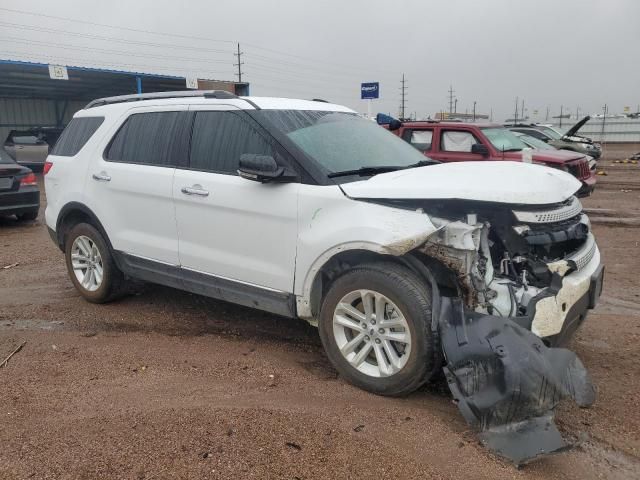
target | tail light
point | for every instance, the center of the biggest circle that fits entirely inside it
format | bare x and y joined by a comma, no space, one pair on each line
47,167
29,180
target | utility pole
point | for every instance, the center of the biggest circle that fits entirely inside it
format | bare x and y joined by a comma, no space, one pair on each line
560,116
491,115
403,93
522,111
577,113
546,118
474,110
239,64
515,117
451,92
604,117
455,106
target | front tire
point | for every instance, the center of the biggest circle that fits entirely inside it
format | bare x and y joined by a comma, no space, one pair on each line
375,325
91,266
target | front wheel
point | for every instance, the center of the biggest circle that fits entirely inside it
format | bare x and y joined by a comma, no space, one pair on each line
375,325
91,266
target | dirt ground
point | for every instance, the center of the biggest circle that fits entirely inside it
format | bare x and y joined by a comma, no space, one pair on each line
166,384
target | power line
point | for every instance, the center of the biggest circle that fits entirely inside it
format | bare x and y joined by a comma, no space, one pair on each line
116,52
118,27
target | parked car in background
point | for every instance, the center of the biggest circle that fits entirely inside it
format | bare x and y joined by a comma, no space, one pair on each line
19,192
562,141
538,144
459,142
31,147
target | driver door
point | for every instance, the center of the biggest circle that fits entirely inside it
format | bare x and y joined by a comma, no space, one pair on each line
230,227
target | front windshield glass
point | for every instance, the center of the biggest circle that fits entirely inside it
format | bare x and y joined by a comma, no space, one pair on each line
503,139
534,142
550,132
340,141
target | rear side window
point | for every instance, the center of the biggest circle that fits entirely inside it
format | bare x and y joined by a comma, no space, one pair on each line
420,139
220,138
154,138
457,141
76,135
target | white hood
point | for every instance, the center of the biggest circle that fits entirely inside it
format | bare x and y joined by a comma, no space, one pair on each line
501,182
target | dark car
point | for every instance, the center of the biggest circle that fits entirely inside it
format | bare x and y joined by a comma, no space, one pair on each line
19,192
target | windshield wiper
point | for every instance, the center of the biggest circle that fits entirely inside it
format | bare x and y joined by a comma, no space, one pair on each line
364,171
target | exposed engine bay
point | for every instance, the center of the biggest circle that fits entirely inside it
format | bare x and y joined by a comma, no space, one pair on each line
525,278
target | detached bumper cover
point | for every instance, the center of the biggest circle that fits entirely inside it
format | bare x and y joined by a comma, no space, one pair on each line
506,382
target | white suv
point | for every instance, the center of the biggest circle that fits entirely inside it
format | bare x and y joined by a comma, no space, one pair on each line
306,210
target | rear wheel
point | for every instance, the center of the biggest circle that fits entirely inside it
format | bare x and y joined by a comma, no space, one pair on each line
375,325
91,266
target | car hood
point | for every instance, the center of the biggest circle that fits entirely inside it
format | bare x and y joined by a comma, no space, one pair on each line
556,157
573,130
499,182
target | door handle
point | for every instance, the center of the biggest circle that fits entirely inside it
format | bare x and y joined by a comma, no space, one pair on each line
195,190
101,177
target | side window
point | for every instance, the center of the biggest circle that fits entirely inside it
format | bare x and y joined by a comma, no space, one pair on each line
76,135
420,139
457,141
153,138
220,138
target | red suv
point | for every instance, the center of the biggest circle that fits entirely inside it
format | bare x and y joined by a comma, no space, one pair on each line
462,142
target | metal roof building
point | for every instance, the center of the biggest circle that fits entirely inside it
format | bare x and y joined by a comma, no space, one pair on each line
43,95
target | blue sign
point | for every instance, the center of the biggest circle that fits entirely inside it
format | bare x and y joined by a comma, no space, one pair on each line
370,90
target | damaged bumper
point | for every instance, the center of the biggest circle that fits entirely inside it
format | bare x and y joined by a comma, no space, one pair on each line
506,382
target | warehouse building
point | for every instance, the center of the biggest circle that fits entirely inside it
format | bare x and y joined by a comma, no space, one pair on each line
42,96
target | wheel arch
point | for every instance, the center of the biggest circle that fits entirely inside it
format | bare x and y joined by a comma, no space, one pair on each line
72,214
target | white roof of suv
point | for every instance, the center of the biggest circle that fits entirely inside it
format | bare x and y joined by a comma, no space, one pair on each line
199,97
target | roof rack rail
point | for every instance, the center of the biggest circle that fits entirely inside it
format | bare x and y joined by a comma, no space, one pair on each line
160,95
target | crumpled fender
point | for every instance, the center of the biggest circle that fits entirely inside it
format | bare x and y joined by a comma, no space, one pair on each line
507,383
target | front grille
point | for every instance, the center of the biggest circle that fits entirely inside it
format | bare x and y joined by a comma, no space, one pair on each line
585,254
565,212
580,170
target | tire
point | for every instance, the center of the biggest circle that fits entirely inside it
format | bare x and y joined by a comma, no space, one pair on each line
111,285
411,300
28,216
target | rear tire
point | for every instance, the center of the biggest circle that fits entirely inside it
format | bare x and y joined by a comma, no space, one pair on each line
28,216
91,266
387,348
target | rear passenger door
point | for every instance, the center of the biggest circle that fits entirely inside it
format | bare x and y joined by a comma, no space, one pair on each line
130,183
420,139
230,227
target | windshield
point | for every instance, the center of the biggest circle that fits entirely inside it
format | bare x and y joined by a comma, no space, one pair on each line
534,142
503,139
339,141
550,132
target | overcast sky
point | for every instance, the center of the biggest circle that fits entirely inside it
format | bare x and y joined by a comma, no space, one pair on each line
576,53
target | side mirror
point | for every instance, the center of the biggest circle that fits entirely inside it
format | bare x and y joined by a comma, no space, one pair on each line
262,168
480,149
394,124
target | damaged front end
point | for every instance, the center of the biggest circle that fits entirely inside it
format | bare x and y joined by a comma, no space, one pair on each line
524,280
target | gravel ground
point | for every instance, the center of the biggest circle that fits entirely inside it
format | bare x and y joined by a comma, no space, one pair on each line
166,384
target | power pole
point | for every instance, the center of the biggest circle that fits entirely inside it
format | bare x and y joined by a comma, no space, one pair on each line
474,110
451,92
546,118
491,115
455,106
239,64
403,93
577,113
560,116
515,117
604,116
522,111
403,96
